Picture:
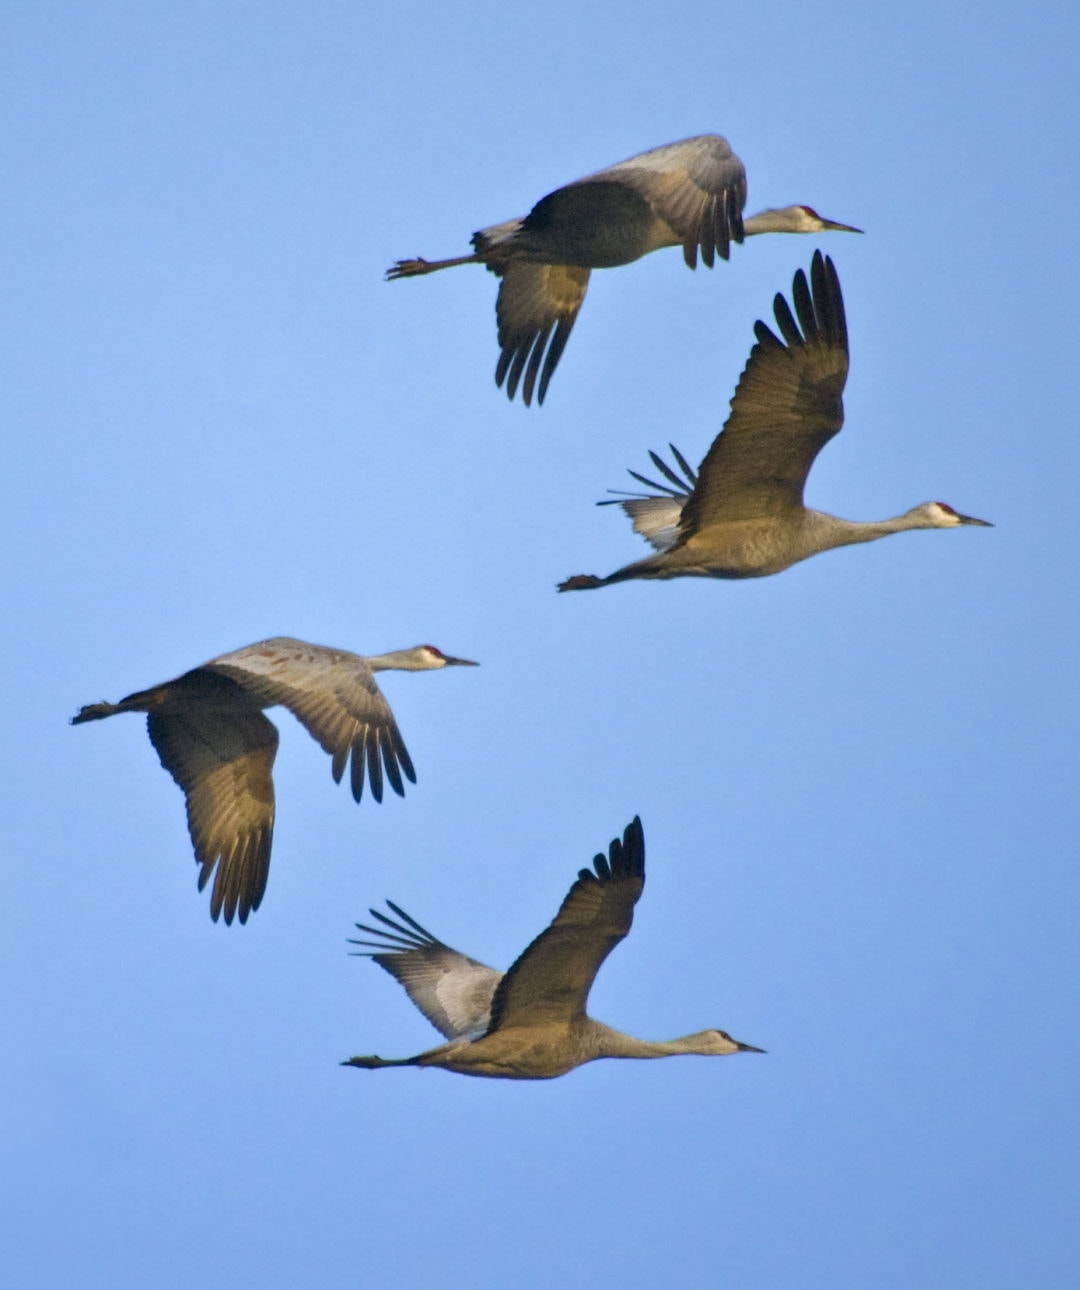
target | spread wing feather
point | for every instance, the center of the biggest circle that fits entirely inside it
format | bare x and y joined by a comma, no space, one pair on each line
334,695
657,517
452,990
697,186
223,762
536,310
551,979
787,406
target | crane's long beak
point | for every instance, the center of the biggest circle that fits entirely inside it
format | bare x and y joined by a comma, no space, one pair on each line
840,228
467,662
970,519
749,1048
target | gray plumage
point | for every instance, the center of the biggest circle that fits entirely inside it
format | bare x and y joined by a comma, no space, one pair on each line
689,194
452,990
211,736
741,515
529,1023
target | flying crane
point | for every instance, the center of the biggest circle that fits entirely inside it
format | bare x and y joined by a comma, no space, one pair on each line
530,1023
689,194
741,515
210,733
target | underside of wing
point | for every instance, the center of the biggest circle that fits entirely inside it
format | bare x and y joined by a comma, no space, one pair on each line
787,406
334,695
223,762
551,979
536,310
657,515
452,990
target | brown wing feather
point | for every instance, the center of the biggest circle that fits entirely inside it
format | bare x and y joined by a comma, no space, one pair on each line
786,408
551,979
334,695
536,310
223,759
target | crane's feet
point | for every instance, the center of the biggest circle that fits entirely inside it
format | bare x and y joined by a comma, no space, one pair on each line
93,712
366,1063
407,269
581,582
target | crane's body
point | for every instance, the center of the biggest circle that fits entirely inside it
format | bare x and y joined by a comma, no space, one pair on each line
531,1052
689,194
751,549
741,515
530,1022
210,733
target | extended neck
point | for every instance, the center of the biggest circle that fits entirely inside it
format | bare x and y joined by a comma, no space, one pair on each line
613,1043
788,219
399,660
848,532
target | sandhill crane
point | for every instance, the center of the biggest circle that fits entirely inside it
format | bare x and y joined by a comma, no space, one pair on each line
530,1022
687,194
742,514
209,731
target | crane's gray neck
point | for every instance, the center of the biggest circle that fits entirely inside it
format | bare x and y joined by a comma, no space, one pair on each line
608,1042
787,219
399,660
847,532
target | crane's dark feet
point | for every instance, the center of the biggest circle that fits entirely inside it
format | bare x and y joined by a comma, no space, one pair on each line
581,582
407,269
366,1063
93,712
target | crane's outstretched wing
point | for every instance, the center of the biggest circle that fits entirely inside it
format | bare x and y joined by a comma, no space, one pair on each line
222,758
786,408
657,517
551,979
452,990
536,310
334,695
696,186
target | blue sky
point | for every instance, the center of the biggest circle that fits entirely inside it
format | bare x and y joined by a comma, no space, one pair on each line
857,779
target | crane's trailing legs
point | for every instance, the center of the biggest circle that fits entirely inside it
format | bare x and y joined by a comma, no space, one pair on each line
414,268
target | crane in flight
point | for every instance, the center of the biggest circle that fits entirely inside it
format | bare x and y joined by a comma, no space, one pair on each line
689,194
530,1022
210,732
741,515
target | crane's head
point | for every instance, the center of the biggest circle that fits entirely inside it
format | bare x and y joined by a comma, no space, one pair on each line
939,515
719,1043
812,222
424,657
794,219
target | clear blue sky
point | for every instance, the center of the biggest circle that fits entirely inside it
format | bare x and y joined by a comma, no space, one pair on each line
857,779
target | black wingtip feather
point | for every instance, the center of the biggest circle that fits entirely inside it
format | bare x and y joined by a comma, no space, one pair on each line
625,858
